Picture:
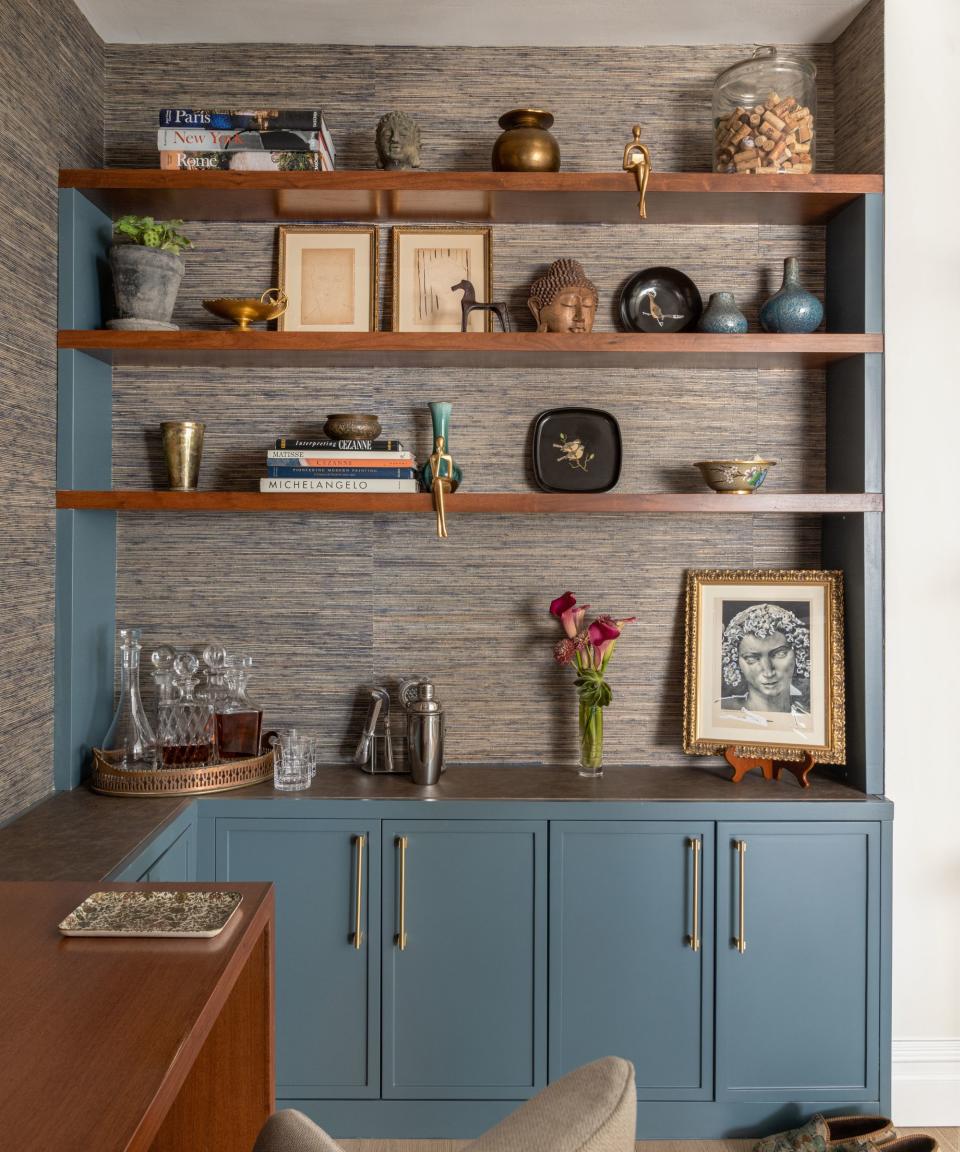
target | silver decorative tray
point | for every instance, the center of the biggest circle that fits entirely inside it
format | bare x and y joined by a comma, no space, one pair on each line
184,915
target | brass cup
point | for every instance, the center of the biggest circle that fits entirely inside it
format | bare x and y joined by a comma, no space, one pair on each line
182,448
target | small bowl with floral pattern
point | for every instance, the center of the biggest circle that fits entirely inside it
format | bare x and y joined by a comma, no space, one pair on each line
735,477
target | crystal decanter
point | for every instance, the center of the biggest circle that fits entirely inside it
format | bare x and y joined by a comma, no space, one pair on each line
187,728
238,720
129,742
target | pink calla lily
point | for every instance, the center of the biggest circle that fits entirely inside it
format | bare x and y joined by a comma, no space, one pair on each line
562,604
570,616
604,632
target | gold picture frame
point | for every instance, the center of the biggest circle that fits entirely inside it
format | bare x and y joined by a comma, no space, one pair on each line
745,691
422,298
330,274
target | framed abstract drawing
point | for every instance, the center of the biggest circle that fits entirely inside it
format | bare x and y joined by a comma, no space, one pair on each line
764,664
427,264
329,274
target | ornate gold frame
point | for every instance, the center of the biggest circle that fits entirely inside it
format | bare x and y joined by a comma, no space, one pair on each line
370,230
834,751
412,230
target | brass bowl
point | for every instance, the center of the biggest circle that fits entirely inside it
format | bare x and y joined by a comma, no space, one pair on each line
735,477
352,426
247,310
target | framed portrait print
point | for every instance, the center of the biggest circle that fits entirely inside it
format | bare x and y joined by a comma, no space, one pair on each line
427,262
329,274
764,664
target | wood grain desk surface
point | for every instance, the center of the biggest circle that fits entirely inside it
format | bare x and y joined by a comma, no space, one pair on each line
98,1035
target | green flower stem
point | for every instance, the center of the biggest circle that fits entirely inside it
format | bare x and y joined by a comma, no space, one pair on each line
591,736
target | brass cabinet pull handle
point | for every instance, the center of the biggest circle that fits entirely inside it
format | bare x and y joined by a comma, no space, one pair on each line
694,843
741,940
360,842
401,938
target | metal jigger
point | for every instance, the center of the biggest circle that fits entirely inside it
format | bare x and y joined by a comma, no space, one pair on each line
182,448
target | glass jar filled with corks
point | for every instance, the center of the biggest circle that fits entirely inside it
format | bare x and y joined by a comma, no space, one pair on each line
764,115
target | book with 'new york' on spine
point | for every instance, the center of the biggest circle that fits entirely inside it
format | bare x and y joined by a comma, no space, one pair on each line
350,473
334,484
226,140
295,444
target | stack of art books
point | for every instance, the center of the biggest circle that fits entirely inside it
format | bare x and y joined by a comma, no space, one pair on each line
291,140
339,466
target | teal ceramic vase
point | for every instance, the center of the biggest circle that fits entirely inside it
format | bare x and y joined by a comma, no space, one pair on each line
440,414
792,309
722,316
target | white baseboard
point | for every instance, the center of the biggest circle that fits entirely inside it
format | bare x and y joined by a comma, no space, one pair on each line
926,1082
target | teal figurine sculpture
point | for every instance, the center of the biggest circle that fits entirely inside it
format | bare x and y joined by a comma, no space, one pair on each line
440,474
722,316
792,309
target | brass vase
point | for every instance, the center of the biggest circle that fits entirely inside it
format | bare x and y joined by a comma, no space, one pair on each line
182,448
525,145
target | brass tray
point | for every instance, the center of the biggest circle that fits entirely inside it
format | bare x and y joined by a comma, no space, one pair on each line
183,915
114,781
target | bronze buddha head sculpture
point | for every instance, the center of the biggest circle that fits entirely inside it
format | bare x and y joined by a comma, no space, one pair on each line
563,299
398,141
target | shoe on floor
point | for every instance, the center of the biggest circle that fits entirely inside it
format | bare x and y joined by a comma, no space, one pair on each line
820,1134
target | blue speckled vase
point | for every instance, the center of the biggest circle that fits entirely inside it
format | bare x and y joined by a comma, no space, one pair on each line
793,308
722,316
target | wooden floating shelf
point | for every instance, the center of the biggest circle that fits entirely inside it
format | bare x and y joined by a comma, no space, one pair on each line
488,197
229,347
483,503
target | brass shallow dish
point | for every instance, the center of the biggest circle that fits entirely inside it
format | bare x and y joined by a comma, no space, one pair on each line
735,477
114,781
247,310
182,915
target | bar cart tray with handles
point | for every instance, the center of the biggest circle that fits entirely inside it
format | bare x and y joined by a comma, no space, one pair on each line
111,780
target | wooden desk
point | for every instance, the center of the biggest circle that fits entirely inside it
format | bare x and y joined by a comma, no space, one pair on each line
134,1045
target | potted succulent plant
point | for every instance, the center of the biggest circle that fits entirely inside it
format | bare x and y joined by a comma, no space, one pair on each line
147,269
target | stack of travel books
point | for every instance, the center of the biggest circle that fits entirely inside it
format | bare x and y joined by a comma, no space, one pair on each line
339,466
292,140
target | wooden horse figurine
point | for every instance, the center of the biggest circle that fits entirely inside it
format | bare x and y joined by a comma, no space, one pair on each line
469,304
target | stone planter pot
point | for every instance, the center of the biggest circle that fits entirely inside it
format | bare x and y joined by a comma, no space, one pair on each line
145,285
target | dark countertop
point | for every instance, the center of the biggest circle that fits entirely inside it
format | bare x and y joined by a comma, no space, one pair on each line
698,782
79,835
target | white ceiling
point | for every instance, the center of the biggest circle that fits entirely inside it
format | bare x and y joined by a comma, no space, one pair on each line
553,23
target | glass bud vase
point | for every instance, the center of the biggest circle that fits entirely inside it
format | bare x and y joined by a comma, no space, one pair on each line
590,727
129,742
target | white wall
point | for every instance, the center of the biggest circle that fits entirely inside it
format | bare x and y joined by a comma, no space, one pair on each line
923,550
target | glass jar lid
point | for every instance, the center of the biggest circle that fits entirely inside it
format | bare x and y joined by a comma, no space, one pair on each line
767,54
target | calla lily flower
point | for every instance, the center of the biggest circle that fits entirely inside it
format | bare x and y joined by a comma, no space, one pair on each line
562,604
604,632
570,616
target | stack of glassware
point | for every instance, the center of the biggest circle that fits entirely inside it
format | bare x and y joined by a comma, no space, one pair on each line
202,714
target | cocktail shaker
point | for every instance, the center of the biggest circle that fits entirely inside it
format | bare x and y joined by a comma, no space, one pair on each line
425,728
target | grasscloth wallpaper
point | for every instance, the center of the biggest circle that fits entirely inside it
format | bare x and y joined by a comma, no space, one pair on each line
331,605
51,63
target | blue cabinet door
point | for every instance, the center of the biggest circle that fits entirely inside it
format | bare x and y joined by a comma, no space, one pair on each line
464,990
631,951
327,988
176,862
798,961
